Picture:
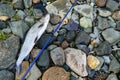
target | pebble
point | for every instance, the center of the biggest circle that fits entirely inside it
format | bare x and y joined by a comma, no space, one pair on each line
7,30
70,36
18,28
58,56
118,26
27,3
34,52
52,9
60,38
75,17
116,15
102,23
25,65
92,61
62,31
8,51
51,47
64,44
76,60
112,5
44,59
85,10
6,75
111,35
21,14
18,4
35,13
107,59
56,73
114,65
104,48
112,76
104,12
35,73
6,10
30,20
4,18
111,22
101,62
105,68
54,19
2,25
36,1
85,22
101,3
82,38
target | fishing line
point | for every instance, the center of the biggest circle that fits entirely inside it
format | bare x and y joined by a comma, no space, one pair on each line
47,42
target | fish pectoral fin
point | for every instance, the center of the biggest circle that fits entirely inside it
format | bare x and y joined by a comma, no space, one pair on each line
18,69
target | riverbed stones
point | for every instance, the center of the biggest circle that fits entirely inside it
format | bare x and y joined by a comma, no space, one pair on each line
85,22
27,3
116,15
18,4
56,73
101,3
8,51
76,60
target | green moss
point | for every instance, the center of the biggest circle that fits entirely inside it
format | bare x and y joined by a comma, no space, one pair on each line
16,17
4,36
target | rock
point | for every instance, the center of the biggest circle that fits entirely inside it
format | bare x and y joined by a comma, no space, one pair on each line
114,66
36,1
116,15
35,73
60,38
111,35
18,4
101,60
25,65
21,14
6,10
112,5
112,76
34,52
70,36
64,44
101,3
56,73
27,3
6,75
74,75
104,48
54,19
7,30
8,51
62,31
92,61
111,22
51,47
75,17
104,12
82,38
44,60
35,13
4,18
85,22
2,25
58,56
118,26
106,59
105,68
52,9
76,60
19,28
102,23
30,20
85,10
100,76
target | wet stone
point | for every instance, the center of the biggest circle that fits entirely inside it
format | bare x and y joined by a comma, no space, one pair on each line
101,3
35,13
27,3
101,60
18,4
54,19
2,25
21,14
64,44
6,75
104,48
112,77
70,36
8,51
51,47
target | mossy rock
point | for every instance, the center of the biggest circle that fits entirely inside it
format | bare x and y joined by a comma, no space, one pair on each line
4,36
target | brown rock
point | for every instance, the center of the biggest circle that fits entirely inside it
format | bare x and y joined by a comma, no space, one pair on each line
116,15
4,18
25,65
56,73
34,52
92,61
54,19
101,3
64,44
36,1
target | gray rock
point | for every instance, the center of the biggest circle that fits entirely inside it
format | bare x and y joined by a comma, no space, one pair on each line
82,38
70,35
6,10
54,19
19,28
102,23
7,30
30,20
111,35
105,68
27,3
75,17
18,4
2,25
118,26
86,22
107,59
62,31
111,22
58,56
112,5
6,75
51,47
101,60
8,51
35,13
44,59
112,77
21,14
114,65
104,48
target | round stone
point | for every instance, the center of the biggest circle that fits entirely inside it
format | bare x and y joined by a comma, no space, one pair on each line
92,61
56,73
116,15
101,3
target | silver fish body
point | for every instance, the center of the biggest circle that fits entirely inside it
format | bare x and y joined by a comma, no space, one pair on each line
32,37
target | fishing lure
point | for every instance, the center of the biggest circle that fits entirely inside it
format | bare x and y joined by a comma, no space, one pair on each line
32,37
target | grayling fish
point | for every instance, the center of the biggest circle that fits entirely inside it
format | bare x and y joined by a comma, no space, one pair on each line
32,37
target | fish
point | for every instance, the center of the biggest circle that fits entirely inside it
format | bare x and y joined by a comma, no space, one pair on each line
31,38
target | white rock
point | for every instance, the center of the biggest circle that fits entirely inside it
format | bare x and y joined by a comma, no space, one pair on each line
86,22
76,60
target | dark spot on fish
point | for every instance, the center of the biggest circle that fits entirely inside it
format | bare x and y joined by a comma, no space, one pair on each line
36,39
41,25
